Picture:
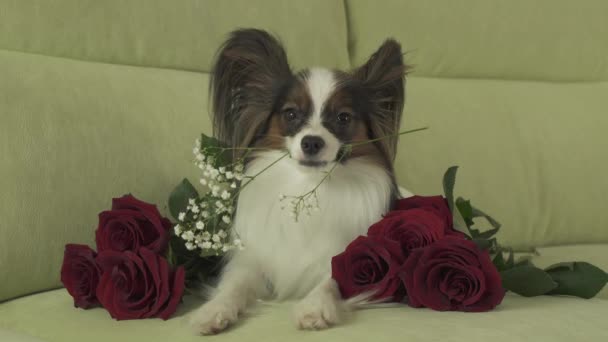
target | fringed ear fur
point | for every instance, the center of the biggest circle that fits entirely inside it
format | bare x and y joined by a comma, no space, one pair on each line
249,68
383,78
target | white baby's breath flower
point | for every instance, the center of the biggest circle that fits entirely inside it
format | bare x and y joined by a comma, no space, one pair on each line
200,225
238,176
226,248
222,234
191,201
203,205
238,244
206,236
181,216
216,238
229,175
225,195
219,204
177,229
190,246
222,169
203,181
200,157
238,168
206,245
195,150
233,185
195,209
206,174
214,173
216,246
205,214
226,219
188,235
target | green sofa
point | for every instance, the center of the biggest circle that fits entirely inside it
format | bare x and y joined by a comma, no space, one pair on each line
102,98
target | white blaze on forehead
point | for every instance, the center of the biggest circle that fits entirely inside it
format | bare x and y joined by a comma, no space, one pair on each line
321,84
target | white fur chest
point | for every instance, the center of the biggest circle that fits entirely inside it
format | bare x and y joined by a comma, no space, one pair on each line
295,256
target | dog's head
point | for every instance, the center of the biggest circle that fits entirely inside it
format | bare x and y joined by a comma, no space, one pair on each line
259,102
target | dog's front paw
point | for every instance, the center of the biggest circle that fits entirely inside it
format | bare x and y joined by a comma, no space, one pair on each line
214,317
317,312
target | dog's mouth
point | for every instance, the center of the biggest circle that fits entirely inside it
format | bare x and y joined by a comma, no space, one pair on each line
313,163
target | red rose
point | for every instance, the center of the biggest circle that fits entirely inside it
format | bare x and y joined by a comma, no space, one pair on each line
138,285
452,274
413,228
369,264
80,274
132,224
435,204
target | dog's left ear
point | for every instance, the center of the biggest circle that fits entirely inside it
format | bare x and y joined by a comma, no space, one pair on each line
383,77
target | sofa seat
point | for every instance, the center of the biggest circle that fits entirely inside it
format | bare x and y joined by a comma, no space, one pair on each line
50,316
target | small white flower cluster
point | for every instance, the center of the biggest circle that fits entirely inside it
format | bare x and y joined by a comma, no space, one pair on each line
297,205
206,223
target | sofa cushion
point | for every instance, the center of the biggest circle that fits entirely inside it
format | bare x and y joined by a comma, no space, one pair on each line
530,153
518,39
173,34
52,317
72,136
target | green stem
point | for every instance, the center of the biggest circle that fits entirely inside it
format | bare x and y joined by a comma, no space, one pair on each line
387,136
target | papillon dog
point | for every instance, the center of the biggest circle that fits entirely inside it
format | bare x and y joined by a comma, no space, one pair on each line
260,103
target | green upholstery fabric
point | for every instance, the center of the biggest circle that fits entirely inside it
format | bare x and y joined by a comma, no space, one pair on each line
72,136
531,153
555,40
52,317
180,34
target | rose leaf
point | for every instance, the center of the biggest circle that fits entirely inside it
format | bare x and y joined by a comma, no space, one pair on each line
578,279
178,199
527,281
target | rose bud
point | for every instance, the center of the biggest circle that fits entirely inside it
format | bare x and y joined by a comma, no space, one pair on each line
413,228
452,274
369,265
141,285
132,224
80,274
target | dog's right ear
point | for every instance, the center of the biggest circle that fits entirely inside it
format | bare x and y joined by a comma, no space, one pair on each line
249,68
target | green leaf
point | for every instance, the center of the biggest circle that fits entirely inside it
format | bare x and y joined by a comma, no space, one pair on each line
459,223
449,181
478,213
525,260
527,281
178,199
499,261
578,279
466,210
485,244
214,148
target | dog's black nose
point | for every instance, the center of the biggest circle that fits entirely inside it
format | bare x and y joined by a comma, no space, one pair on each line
312,144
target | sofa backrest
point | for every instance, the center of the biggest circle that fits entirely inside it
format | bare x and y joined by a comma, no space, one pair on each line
181,34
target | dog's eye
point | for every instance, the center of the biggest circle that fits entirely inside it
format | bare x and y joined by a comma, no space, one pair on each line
290,114
344,118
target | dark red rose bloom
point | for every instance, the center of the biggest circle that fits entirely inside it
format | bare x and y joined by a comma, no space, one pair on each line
369,264
138,285
80,274
435,204
452,274
413,228
132,224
